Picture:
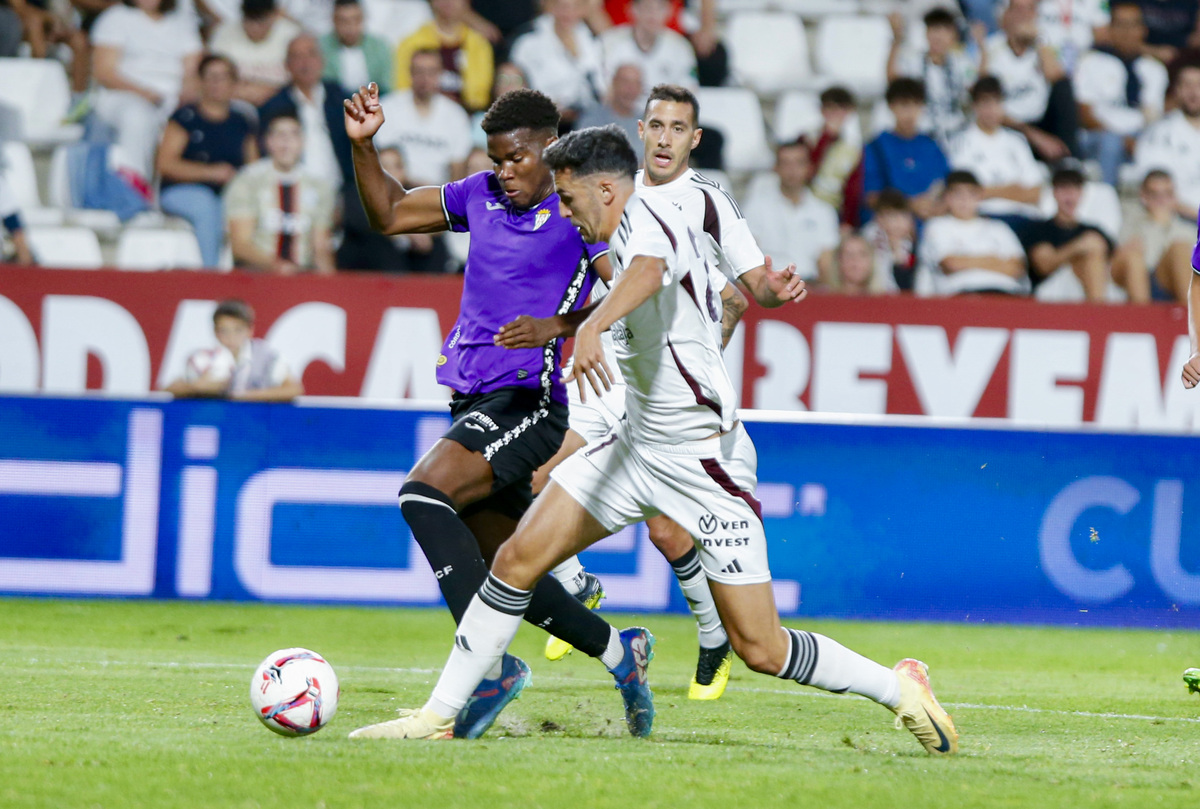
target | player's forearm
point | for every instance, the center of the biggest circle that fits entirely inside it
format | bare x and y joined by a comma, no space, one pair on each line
1027,194
1194,312
733,306
379,191
634,287
756,283
286,392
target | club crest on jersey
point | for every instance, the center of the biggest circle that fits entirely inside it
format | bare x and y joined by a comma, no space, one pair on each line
541,218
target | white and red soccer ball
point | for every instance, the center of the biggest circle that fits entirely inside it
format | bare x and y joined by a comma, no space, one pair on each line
294,692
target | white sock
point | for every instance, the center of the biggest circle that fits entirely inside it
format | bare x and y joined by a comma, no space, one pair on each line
483,635
824,663
695,588
615,652
570,575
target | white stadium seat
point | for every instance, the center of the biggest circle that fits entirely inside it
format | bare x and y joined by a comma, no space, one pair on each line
853,51
393,20
72,248
737,113
158,249
768,51
797,113
808,9
16,166
38,90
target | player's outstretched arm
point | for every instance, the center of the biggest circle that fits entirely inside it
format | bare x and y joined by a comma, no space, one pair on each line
535,332
733,306
390,207
1191,369
635,286
771,288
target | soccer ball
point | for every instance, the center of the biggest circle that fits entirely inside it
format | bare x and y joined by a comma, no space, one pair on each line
294,692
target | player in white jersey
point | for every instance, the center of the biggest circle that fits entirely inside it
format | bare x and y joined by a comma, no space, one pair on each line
669,132
679,451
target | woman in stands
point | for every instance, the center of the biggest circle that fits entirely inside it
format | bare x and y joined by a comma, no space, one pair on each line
202,148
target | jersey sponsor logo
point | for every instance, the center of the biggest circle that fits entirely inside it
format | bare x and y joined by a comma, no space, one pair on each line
472,426
481,419
541,217
441,360
709,525
621,334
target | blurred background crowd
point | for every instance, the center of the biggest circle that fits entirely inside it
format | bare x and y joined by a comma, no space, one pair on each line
1046,148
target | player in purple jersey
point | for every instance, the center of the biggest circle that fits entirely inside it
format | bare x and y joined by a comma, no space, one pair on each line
464,497
1191,369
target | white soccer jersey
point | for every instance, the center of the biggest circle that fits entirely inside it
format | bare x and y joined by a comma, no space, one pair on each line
1026,91
947,236
1100,82
1001,158
667,348
1173,145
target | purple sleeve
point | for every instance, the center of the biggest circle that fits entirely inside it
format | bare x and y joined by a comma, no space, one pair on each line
454,203
594,251
1196,254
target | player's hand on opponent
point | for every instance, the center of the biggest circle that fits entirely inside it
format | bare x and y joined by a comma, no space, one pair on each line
1191,371
786,285
588,363
364,115
527,332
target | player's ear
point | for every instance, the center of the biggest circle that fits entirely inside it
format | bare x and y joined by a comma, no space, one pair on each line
641,129
696,137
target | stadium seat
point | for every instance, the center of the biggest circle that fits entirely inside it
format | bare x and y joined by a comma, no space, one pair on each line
853,50
737,113
158,249
71,248
393,20
16,165
797,113
104,222
768,51
38,90
808,9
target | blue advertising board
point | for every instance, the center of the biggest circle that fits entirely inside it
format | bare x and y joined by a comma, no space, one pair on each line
213,500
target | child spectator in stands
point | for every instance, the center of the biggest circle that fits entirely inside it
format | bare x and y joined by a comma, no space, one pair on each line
893,235
1064,241
943,66
144,60
837,156
257,45
904,158
854,267
964,252
10,218
563,59
1173,144
466,55
354,58
432,131
279,215
1119,90
791,225
1156,245
241,367
202,149
999,157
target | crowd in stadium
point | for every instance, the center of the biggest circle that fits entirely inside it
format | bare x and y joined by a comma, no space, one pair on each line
1024,147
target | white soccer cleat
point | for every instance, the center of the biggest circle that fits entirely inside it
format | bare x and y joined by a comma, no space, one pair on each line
412,724
920,712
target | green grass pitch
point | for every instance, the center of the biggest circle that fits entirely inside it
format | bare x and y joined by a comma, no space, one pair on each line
145,704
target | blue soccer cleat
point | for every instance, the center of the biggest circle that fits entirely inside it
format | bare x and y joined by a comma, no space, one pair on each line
630,675
491,697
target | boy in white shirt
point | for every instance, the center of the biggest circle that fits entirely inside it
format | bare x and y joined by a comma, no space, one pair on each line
964,252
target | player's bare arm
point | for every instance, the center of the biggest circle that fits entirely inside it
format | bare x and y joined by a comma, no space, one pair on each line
733,306
1191,369
390,207
634,287
534,332
773,288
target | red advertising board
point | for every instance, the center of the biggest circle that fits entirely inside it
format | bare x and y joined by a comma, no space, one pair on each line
375,336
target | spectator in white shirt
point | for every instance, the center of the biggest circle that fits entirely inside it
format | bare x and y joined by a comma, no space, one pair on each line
1173,143
431,130
1000,158
562,58
1038,98
965,252
664,56
943,66
257,45
1072,26
791,225
1119,91
144,60
1155,256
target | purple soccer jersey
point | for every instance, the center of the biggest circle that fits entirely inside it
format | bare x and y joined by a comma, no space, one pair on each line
521,262
1196,253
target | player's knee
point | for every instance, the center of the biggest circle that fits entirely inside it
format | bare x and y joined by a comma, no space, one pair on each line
669,538
415,495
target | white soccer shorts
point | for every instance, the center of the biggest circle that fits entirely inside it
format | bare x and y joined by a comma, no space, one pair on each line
596,417
705,486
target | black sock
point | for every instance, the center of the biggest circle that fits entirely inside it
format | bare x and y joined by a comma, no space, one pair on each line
447,543
564,617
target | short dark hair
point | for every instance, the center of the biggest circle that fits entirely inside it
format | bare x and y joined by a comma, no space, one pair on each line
340,3
214,58
257,9
961,177
284,114
595,150
234,307
164,7
1155,174
836,96
890,199
905,89
522,108
798,143
940,16
419,51
680,95
1068,173
987,87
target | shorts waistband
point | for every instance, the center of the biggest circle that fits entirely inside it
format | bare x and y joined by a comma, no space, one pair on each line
705,447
